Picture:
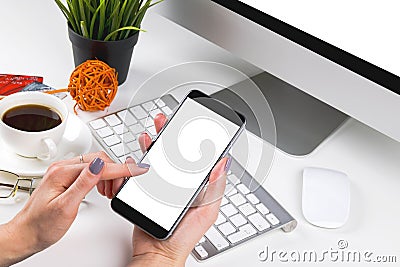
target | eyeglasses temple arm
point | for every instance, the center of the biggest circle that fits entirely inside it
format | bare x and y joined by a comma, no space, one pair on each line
23,188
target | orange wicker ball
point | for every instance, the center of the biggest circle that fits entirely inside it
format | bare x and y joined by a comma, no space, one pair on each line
93,85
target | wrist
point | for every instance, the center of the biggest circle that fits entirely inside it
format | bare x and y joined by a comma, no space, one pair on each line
15,242
155,259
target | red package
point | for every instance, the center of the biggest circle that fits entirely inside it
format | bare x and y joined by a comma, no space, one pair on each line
10,83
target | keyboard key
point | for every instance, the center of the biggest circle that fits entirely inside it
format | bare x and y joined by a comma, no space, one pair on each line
201,251
160,103
111,140
139,112
242,188
220,219
155,112
231,192
259,222
238,220
104,132
216,238
166,110
119,150
229,188
127,137
272,219
127,117
136,128
233,179
97,124
120,129
247,209
244,232
133,146
224,201
147,122
261,208
237,199
202,239
152,130
149,105
227,228
122,114
228,210
134,156
138,154
112,120
253,199
122,159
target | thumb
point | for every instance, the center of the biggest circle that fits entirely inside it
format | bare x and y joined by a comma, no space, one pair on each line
86,180
136,169
220,169
217,183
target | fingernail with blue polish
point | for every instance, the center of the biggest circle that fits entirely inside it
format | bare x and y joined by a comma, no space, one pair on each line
143,165
228,164
96,166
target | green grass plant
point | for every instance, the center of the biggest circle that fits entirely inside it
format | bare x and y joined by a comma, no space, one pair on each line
107,20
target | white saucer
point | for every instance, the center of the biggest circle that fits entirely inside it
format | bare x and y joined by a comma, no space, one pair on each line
77,140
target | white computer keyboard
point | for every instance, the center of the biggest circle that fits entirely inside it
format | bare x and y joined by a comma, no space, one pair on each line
247,209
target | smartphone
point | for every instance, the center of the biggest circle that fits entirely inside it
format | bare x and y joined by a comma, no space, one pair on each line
199,133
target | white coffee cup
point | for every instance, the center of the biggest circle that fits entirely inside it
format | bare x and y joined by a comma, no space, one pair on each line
41,145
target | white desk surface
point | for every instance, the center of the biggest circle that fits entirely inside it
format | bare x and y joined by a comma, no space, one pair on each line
33,40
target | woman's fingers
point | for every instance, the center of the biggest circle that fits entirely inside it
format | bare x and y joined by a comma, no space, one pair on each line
115,170
215,188
101,187
108,188
86,158
136,169
220,168
114,175
159,121
144,142
85,181
144,139
215,191
116,185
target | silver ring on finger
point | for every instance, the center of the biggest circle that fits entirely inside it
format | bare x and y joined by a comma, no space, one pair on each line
81,159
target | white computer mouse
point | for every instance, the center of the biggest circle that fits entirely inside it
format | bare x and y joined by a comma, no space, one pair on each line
326,197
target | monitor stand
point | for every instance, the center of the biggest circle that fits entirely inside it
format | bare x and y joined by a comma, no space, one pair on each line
302,121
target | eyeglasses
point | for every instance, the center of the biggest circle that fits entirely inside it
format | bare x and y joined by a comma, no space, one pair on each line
11,183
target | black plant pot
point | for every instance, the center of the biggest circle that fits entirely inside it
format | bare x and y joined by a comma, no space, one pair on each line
117,54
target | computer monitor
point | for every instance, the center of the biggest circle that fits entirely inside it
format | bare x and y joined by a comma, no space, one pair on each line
345,53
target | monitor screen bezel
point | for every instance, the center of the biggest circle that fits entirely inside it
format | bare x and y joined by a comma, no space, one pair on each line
345,59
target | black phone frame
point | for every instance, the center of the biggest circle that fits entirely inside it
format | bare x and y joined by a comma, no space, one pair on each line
141,220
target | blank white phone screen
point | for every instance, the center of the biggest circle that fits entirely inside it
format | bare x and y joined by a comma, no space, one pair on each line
180,160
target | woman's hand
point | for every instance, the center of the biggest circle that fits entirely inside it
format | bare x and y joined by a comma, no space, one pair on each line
148,251
53,206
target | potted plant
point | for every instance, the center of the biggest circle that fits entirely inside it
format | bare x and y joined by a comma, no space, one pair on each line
106,30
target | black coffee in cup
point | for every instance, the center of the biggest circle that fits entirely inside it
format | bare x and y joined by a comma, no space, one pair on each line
32,118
